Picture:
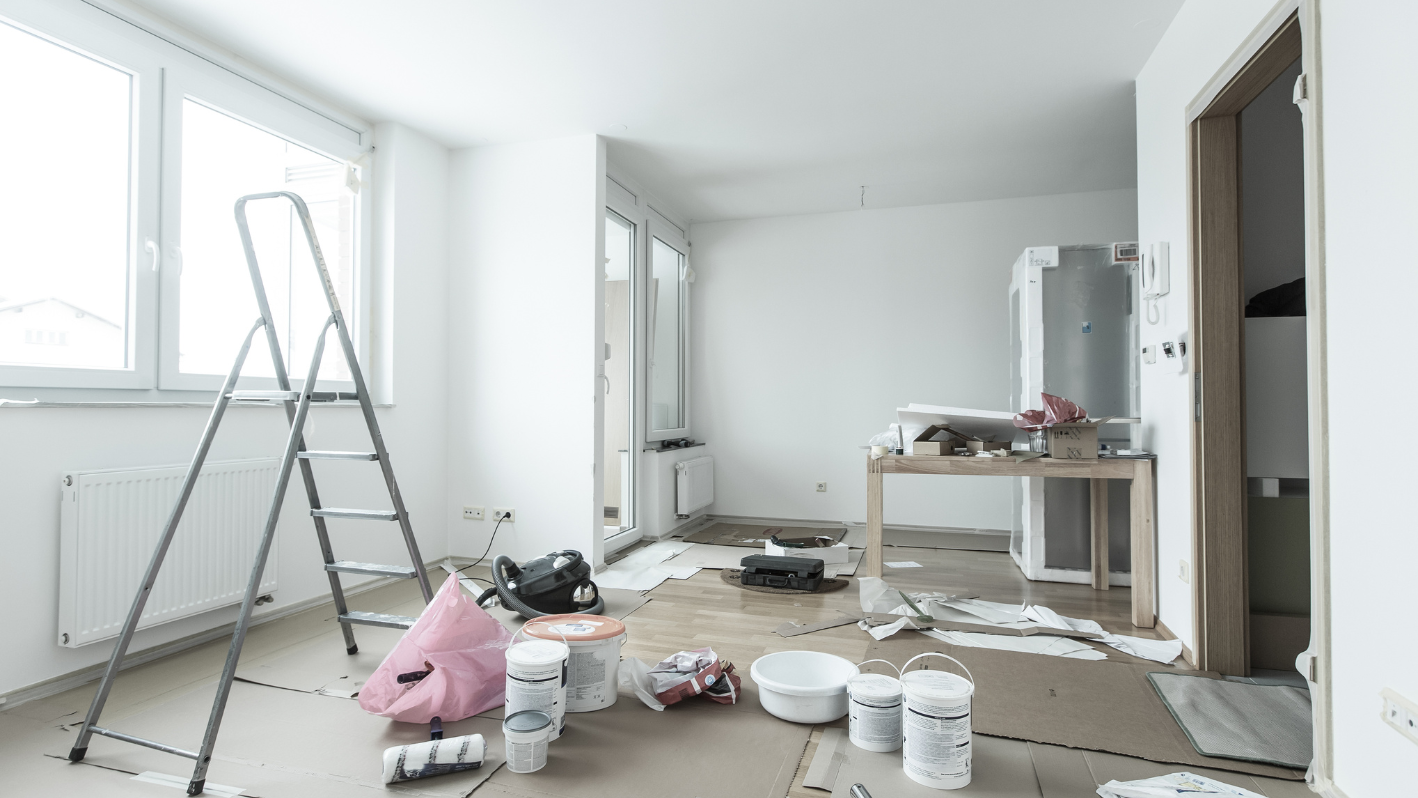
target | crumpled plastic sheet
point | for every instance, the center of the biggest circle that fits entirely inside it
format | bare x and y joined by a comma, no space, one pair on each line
1173,785
1057,410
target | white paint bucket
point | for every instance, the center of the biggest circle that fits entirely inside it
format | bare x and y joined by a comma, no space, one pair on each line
803,686
536,679
594,664
874,710
936,727
527,734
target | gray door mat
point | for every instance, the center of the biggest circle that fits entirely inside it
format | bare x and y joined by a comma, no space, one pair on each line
968,540
1235,720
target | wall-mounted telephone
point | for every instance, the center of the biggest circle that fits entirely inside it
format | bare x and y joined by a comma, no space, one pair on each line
1155,272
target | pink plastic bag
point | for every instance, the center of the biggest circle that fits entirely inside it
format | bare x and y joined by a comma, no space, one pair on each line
468,651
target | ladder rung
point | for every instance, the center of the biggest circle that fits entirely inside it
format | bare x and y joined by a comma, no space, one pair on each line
373,569
128,738
338,455
365,515
378,619
264,396
332,396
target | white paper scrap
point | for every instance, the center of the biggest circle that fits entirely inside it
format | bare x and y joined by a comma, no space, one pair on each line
1173,785
181,782
1033,644
642,569
907,564
1164,651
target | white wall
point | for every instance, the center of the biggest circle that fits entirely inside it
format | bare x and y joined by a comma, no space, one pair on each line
525,293
809,332
40,443
1370,170
1202,38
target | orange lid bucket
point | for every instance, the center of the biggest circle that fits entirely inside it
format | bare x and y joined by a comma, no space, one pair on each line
574,627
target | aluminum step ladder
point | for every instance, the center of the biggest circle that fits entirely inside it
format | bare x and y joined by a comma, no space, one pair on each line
297,404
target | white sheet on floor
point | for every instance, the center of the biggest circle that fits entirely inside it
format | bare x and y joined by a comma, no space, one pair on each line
1173,785
1033,644
181,782
645,568
708,555
1164,651
848,568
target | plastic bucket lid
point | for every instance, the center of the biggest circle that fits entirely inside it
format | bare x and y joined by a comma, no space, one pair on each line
937,685
575,628
528,720
538,652
874,685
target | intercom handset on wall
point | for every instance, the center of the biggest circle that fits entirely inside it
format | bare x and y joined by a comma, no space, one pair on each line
1155,272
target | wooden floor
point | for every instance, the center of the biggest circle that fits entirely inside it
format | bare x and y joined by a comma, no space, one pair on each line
684,614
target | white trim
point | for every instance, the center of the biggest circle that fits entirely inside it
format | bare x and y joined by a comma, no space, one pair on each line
1233,66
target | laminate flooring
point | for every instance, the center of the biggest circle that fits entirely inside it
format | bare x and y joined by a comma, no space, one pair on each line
683,614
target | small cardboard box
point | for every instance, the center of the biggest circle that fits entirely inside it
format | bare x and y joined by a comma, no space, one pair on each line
924,445
975,447
1075,440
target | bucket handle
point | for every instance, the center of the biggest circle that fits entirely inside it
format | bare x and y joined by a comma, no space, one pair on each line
523,631
893,667
938,654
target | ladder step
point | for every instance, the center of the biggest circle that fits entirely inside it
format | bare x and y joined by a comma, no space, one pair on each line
128,738
338,456
332,396
378,619
373,569
365,515
264,396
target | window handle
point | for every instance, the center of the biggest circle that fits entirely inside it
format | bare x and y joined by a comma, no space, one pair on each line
152,247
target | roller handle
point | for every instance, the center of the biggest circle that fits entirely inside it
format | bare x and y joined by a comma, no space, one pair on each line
435,728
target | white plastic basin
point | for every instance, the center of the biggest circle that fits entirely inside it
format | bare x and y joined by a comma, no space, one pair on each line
803,686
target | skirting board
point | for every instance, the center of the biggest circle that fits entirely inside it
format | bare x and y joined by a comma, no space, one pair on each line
82,676
806,522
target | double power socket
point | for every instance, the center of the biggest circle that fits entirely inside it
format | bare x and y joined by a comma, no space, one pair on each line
498,514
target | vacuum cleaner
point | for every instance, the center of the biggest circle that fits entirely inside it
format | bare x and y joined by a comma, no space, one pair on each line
556,584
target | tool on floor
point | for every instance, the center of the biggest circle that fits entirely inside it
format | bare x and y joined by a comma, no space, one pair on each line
297,405
435,757
859,791
557,584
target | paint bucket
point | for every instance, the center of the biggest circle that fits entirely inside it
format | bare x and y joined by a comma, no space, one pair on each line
536,679
527,734
594,664
936,727
874,710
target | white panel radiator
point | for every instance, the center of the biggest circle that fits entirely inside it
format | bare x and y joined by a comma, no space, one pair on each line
110,521
694,485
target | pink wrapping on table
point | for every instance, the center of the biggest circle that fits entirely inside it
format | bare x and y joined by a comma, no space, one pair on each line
1057,410
467,649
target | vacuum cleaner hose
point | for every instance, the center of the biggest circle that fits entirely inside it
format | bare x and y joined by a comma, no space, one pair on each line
510,600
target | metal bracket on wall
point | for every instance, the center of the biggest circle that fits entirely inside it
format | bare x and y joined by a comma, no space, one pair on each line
1196,394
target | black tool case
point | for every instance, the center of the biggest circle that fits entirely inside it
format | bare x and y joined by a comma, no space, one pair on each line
794,573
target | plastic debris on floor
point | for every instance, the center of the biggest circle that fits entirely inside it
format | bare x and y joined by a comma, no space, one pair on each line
1173,785
644,568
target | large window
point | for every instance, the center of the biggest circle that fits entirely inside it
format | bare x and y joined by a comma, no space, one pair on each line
65,210
125,155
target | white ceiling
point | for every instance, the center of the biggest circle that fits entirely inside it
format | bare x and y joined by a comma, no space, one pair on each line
739,108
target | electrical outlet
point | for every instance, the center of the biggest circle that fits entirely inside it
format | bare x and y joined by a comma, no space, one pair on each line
1400,713
1185,572
504,514
822,487
472,513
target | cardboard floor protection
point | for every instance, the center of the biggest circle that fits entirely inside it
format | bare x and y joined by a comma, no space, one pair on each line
724,533
1102,705
695,748
944,539
284,744
999,768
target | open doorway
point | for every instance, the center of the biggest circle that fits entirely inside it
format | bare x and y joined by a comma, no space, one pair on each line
1250,449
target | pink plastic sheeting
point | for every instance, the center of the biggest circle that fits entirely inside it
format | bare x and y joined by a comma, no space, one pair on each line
1057,410
468,651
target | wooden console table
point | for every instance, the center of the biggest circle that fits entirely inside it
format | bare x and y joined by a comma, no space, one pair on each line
1096,471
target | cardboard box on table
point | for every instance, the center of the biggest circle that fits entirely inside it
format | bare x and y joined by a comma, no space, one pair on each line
924,445
1075,440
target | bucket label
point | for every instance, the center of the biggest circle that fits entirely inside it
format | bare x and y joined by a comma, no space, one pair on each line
937,741
577,628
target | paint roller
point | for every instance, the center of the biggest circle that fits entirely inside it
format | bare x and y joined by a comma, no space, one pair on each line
435,757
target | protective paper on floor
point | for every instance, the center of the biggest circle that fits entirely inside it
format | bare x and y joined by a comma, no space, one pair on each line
284,744
999,768
704,555
1104,706
1252,722
694,748
645,568
1047,645
321,664
963,540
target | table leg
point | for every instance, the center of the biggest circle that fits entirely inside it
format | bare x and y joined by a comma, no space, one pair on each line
1144,512
1098,511
871,558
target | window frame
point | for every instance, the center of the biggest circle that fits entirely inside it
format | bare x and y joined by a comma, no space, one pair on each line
89,38
670,235
166,66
